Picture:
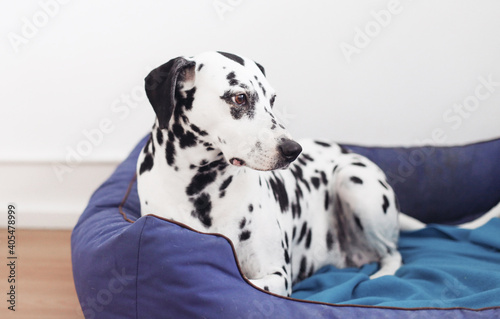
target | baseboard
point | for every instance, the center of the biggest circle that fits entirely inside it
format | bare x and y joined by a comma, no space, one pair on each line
49,195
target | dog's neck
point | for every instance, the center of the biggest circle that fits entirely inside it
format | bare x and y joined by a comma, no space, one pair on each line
196,177
189,151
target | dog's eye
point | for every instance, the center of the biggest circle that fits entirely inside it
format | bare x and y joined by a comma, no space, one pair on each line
240,99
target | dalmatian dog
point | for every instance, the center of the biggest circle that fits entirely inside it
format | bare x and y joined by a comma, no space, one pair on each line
219,161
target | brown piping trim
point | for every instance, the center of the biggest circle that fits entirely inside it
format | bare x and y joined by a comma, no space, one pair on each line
129,189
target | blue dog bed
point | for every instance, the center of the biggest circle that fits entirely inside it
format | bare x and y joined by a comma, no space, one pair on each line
127,266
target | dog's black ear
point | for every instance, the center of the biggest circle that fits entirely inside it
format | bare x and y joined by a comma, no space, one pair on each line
261,68
161,84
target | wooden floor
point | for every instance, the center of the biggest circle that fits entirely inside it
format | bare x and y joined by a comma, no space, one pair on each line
44,280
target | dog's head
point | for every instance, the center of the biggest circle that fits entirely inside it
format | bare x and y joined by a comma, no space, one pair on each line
227,99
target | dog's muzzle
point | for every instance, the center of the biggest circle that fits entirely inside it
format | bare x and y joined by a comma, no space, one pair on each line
289,150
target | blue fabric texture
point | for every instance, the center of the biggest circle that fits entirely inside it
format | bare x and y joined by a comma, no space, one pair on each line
127,266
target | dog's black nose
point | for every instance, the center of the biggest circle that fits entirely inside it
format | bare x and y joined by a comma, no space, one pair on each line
289,149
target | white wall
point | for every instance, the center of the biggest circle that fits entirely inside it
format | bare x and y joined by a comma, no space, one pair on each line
371,72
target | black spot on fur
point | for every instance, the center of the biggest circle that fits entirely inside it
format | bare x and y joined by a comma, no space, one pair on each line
245,235
311,271
220,164
171,136
358,223
170,153
279,192
329,240
250,208
358,164
341,233
301,161
231,77
308,238
383,184
303,269
203,162
385,205
335,168
233,57
202,207
327,200
308,157
243,223
188,140
356,180
315,182
159,136
266,288
294,232
200,66
261,68
323,144
147,164
178,130
388,249
198,130
226,183
303,231
299,175
184,103
199,182
324,179
287,257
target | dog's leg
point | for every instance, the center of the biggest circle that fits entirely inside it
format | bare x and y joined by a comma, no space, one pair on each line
408,223
367,210
389,264
277,283
492,213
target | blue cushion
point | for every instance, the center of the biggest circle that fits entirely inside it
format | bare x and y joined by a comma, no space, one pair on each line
127,266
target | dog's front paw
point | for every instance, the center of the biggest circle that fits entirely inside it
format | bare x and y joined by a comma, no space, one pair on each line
274,283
